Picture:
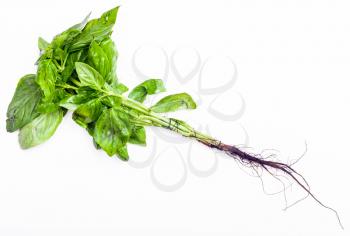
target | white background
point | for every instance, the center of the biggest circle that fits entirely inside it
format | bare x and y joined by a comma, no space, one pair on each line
293,62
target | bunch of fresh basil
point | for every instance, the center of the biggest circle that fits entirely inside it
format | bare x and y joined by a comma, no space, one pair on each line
77,71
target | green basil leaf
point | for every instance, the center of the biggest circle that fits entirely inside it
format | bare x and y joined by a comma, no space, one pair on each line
96,29
68,35
111,133
87,93
47,107
111,77
110,50
173,103
98,59
44,55
122,152
40,129
64,38
148,87
50,106
91,128
88,112
23,106
42,44
60,93
98,147
116,87
59,54
108,47
138,135
82,24
123,122
111,101
72,102
84,94
78,56
121,88
88,76
46,78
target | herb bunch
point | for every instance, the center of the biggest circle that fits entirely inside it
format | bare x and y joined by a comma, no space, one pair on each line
76,71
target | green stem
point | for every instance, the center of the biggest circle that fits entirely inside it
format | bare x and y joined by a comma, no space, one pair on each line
155,119
67,86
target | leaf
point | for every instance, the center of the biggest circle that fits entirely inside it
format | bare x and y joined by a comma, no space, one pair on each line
59,55
123,122
98,59
120,88
50,106
65,38
116,87
72,102
78,56
46,78
111,101
88,76
122,152
173,103
138,135
61,40
82,24
47,107
68,35
148,87
40,129
88,112
96,29
111,133
69,103
108,47
60,93
96,145
91,128
42,44
23,106
84,95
